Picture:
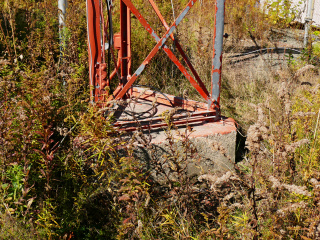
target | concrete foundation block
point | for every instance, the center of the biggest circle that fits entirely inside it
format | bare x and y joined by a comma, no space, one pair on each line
208,148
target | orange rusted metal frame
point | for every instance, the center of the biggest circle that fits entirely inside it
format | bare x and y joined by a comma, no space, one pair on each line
94,49
98,78
125,44
160,44
97,66
184,56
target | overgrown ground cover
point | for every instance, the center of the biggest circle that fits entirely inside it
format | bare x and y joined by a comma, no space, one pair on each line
62,174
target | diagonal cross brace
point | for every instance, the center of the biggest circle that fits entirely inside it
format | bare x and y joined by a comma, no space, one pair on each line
160,44
184,56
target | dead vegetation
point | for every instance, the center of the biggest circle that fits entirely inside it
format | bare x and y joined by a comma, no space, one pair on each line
63,175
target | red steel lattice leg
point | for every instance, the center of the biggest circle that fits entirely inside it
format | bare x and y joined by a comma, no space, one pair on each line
94,49
97,67
125,36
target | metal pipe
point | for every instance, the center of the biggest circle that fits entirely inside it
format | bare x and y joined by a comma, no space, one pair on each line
214,102
307,23
62,6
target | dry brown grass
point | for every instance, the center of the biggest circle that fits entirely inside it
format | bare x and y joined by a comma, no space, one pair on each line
61,168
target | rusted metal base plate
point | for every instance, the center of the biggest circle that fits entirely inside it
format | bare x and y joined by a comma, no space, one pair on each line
213,137
148,109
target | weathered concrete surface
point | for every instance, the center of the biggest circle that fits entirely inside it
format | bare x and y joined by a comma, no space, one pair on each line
210,148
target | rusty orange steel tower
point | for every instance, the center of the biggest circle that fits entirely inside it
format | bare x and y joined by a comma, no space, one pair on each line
98,42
